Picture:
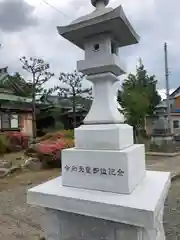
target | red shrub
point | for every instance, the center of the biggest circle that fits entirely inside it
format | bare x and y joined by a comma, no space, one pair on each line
52,136
48,149
54,148
17,140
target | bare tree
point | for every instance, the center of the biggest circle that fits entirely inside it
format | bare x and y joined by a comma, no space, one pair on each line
40,75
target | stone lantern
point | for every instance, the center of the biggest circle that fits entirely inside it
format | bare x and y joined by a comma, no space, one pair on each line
161,125
161,109
105,191
162,139
99,35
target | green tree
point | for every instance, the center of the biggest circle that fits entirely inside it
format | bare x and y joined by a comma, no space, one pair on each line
40,74
138,97
71,86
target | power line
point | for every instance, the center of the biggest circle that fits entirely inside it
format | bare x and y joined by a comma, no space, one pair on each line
38,5
55,8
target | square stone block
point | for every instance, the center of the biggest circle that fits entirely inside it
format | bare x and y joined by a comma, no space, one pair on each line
111,171
56,227
104,137
142,209
102,64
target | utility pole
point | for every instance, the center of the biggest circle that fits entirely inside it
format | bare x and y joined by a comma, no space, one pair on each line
34,128
167,86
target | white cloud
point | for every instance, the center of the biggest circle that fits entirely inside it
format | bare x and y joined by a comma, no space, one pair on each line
154,20
162,93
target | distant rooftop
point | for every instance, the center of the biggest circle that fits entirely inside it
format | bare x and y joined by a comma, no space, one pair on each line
8,89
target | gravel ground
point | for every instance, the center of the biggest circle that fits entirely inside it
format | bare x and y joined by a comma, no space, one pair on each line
17,219
20,221
172,212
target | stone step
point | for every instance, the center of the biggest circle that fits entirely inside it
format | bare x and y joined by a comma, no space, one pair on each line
5,164
3,172
6,171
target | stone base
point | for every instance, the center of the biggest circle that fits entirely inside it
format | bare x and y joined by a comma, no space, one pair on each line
111,171
164,144
80,214
104,137
61,225
159,140
163,154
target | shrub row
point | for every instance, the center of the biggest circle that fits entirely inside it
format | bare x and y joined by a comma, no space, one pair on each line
13,141
48,148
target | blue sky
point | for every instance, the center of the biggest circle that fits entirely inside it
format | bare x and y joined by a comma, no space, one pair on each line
28,27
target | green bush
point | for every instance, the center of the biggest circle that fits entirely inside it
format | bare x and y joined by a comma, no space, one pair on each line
58,127
4,144
68,134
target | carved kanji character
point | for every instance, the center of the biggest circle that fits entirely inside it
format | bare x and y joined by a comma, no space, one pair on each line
120,172
95,170
112,172
88,170
67,168
103,171
74,169
81,169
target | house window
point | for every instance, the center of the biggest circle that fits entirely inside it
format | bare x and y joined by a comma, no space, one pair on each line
5,121
9,121
14,121
176,124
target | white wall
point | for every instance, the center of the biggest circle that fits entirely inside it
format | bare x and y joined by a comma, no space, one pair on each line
175,130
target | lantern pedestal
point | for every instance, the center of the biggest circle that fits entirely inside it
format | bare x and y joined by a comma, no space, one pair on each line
81,214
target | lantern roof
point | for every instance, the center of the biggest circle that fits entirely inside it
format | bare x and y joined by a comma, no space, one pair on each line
102,20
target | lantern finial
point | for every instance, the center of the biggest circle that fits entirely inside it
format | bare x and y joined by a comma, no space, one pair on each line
99,3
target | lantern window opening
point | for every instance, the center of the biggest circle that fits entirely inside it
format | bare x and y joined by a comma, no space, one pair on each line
96,47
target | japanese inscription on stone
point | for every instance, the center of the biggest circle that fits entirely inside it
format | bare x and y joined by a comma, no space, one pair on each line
94,171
